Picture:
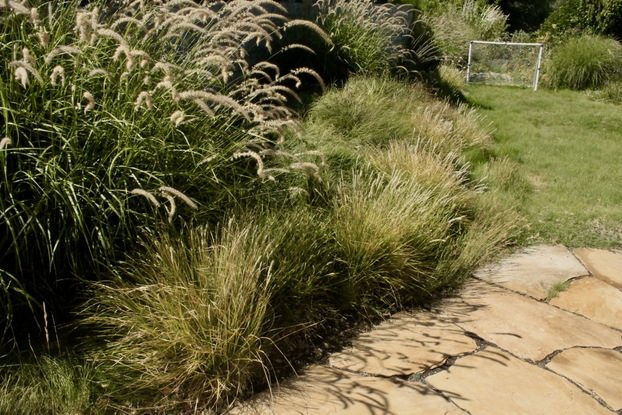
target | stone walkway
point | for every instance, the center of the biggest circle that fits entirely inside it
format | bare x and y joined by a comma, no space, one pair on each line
501,347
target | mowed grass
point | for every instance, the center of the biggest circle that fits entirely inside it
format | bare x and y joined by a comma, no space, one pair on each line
569,153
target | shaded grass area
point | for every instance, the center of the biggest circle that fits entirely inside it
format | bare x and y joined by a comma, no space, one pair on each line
567,149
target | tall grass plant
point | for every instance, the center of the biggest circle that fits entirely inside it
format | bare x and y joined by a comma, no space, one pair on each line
584,62
115,119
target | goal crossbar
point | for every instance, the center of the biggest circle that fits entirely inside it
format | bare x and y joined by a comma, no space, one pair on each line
537,74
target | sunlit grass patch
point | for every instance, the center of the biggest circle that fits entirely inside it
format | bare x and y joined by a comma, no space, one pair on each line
566,148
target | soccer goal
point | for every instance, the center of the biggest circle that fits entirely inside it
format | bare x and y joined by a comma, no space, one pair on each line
504,63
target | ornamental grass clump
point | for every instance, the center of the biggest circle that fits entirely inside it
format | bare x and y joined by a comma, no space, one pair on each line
368,38
453,27
408,220
377,111
203,317
188,326
126,117
585,62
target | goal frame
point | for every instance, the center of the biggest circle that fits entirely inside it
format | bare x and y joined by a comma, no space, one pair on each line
538,63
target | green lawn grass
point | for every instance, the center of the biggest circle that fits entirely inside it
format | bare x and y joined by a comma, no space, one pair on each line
569,149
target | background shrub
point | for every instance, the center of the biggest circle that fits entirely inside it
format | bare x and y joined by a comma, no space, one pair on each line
455,26
367,38
584,62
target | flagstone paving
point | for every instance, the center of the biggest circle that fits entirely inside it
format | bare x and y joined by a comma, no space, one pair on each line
534,270
492,381
527,328
589,367
404,345
593,299
496,348
606,265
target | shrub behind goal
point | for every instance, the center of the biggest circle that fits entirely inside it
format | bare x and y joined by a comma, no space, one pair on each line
504,63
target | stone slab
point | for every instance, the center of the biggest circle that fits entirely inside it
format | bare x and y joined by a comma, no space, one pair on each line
405,344
324,390
606,265
593,299
597,370
534,270
525,327
494,382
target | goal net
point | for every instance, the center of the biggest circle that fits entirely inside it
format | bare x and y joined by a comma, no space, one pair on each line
504,63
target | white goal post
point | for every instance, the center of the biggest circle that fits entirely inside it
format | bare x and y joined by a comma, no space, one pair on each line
487,75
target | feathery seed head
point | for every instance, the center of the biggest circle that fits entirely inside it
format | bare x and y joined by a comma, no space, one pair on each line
61,50
34,17
91,101
204,107
207,159
309,168
298,46
255,156
58,72
177,118
316,153
83,25
44,38
17,8
117,37
29,58
311,26
172,208
151,198
28,67
145,97
131,61
5,142
166,190
98,71
314,74
21,75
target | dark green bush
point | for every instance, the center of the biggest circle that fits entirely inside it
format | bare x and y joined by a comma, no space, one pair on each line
590,16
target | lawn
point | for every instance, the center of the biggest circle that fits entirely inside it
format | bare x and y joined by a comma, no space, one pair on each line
569,150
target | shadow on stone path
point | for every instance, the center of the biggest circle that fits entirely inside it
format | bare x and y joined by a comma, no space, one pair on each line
497,348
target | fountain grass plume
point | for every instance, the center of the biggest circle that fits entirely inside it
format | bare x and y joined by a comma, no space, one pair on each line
77,109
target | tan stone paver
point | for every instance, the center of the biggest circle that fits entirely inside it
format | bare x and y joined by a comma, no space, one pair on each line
525,327
534,270
405,344
494,382
593,299
324,390
598,370
605,265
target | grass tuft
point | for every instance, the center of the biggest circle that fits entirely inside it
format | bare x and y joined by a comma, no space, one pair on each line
188,327
50,385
